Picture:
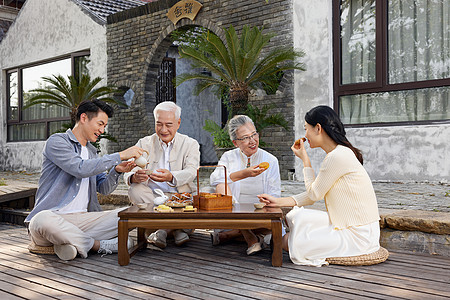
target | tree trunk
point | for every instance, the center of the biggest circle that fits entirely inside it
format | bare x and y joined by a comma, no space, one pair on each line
73,116
238,100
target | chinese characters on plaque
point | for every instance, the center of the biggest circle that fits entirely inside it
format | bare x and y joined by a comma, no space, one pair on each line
184,9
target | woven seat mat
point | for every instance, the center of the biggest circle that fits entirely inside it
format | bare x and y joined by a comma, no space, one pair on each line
33,248
373,258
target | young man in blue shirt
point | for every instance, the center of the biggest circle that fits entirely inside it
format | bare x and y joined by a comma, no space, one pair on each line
67,213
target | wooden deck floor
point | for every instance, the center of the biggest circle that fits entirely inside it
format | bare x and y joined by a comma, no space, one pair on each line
199,271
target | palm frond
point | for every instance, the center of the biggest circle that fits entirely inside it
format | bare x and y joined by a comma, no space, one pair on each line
251,44
205,81
38,96
233,48
219,51
48,102
190,76
203,85
59,83
276,61
203,61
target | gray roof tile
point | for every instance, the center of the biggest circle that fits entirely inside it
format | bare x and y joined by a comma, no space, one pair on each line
103,8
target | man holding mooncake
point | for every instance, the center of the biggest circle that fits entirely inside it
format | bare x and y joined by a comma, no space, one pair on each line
173,160
251,171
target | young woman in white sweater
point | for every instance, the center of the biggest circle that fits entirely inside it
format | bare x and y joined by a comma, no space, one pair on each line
350,225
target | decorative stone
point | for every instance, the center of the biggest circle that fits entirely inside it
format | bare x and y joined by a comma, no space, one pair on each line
418,220
415,241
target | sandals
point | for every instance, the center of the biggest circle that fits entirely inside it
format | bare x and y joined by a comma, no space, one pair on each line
256,247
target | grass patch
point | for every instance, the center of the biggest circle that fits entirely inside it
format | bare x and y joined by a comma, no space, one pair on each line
2,182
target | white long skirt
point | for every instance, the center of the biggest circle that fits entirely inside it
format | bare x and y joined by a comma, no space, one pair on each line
313,238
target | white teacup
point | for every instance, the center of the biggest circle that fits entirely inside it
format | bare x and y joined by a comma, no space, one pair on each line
142,205
141,161
259,205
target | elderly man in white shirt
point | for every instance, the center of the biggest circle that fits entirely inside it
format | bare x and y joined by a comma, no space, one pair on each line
246,178
173,160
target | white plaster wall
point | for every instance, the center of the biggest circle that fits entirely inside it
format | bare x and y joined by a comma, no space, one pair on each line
312,34
43,30
406,153
403,153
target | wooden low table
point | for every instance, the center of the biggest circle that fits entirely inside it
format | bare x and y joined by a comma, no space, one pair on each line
242,216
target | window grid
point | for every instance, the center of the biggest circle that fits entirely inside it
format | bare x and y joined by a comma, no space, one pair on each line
380,84
48,122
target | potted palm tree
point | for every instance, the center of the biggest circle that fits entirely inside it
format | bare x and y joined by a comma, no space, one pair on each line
238,65
58,91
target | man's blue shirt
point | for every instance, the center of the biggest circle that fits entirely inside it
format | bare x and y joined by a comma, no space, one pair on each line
62,171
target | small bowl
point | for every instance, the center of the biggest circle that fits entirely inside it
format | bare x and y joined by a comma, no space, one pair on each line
259,205
142,205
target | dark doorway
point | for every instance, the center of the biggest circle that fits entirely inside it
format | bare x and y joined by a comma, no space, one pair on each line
165,89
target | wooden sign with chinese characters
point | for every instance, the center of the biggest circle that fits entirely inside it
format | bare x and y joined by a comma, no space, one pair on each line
184,9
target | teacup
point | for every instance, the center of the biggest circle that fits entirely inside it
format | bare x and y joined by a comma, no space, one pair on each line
142,205
259,205
141,161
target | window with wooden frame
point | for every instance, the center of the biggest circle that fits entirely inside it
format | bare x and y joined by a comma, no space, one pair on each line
391,61
38,122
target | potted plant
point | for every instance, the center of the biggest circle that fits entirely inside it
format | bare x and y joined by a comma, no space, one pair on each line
236,66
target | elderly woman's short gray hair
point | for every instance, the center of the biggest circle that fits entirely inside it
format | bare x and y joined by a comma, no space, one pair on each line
235,123
168,106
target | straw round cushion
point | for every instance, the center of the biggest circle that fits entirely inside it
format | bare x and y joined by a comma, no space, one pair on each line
33,248
373,258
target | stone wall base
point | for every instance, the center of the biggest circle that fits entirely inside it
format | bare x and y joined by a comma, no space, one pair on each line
415,241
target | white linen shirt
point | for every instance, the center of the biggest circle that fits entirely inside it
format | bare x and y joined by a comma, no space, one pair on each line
233,161
164,164
184,160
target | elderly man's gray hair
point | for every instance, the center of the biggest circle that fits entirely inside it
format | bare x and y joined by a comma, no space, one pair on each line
235,123
168,106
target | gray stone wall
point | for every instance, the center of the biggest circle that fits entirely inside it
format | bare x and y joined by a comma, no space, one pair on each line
138,39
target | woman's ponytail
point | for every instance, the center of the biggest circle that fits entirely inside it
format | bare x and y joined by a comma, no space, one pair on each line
330,122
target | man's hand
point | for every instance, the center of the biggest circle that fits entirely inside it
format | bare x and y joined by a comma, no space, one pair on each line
161,175
139,176
125,166
131,152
